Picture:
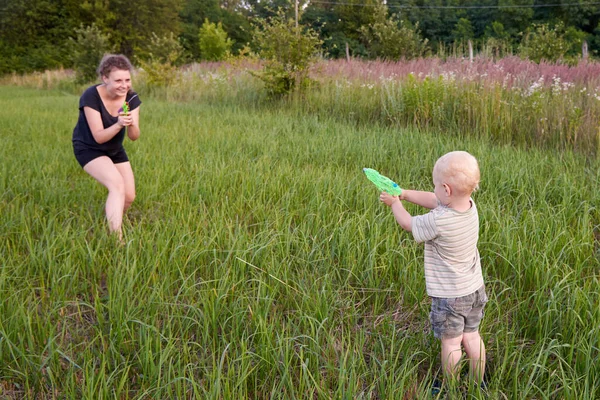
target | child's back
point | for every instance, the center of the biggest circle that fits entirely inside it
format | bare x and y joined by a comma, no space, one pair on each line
453,275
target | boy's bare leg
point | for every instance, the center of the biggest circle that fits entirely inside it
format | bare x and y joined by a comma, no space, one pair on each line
475,350
451,355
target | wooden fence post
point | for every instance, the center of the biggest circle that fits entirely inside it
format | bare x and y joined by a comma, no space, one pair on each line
470,50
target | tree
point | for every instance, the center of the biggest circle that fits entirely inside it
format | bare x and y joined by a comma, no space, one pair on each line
388,38
34,33
463,30
497,42
354,14
214,43
132,22
515,19
543,42
233,16
86,51
432,21
323,19
163,55
288,50
595,41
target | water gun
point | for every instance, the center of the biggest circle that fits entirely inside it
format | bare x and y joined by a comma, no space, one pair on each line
383,183
125,110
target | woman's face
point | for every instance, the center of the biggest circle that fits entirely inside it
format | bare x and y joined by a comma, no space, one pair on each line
118,82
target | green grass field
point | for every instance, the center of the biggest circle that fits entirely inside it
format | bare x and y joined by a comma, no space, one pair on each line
260,264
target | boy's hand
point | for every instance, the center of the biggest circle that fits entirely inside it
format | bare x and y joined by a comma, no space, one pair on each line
388,199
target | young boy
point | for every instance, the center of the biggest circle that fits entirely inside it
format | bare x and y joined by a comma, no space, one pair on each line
453,275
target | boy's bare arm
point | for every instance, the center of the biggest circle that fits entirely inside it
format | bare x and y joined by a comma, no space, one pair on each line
423,199
402,216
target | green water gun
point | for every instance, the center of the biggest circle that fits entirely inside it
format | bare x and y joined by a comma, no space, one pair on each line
383,183
125,110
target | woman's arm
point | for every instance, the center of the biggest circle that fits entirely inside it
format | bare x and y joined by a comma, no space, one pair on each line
423,199
133,130
100,134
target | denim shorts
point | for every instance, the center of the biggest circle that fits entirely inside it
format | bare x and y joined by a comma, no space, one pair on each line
451,317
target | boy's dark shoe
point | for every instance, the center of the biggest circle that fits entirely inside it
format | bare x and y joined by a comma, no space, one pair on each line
436,389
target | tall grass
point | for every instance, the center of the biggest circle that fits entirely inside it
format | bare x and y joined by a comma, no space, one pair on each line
508,101
260,264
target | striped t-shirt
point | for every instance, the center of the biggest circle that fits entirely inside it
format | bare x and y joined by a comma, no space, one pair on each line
452,264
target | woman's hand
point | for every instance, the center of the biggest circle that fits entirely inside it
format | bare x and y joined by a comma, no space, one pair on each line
125,120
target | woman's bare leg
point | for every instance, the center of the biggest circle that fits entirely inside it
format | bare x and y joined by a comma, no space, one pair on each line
129,181
104,171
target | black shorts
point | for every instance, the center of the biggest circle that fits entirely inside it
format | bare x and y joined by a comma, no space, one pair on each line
85,154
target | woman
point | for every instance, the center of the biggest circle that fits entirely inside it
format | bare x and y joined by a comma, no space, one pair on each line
100,131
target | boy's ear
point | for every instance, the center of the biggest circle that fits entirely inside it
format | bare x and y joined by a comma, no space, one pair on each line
448,189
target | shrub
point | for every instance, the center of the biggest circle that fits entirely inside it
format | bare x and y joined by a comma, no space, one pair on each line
390,39
288,51
163,55
86,51
543,42
214,43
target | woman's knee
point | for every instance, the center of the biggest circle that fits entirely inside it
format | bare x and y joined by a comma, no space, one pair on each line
129,197
117,186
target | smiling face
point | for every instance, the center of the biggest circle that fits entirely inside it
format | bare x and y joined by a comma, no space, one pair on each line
118,82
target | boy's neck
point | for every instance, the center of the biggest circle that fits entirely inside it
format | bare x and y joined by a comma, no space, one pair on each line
460,204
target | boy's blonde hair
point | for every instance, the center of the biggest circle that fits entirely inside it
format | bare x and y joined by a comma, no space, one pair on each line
460,170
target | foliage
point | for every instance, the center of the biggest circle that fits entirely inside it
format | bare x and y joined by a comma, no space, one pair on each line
165,49
213,41
390,39
496,48
354,14
496,31
575,38
288,50
34,34
515,19
86,51
547,43
234,20
163,55
463,30
132,25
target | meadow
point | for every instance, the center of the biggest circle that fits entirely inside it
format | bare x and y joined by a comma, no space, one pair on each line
259,262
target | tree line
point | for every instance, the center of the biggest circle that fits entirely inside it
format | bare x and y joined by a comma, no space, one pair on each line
40,34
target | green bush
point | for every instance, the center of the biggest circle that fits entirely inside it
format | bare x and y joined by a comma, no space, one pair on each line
213,41
86,51
544,42
390,39
289,50
497,42
159,67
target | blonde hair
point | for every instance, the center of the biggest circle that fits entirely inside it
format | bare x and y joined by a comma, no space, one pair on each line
460,170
